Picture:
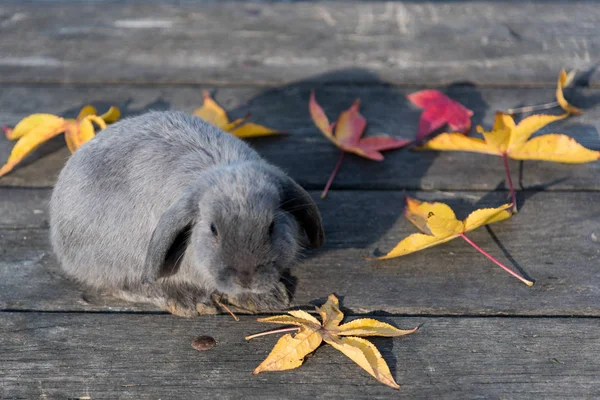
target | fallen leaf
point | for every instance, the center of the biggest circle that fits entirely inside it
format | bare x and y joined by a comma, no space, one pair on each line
346,134
565,80
36,129
510,140
212,113
290,350
438,225
439,110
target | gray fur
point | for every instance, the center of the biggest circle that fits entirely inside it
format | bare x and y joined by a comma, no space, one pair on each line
132,212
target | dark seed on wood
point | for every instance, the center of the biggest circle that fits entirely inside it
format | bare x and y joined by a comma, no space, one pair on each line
202,343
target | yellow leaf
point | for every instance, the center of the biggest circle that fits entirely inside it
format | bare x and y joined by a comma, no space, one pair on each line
29,142
370,327
234,124
458,142
330,312
527,127
414,242
211,112
250,130
86,111
555,147
366,355
35,129
552,147
442,226
289,351
293,320
95,119
27,124
112,115
563,81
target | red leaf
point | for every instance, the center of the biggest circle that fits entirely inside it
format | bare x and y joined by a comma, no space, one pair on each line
439,110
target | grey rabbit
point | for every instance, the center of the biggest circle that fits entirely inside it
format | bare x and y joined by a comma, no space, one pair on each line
168,209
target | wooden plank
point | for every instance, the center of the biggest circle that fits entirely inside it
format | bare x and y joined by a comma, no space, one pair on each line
107,356
248,42
554,240
305,153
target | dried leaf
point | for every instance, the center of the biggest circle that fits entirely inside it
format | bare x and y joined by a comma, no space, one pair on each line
36,129
440,110
290,350
346,134
438,223
212,113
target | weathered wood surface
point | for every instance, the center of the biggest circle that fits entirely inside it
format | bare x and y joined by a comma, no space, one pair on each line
555,240
249,42
305,153
108,356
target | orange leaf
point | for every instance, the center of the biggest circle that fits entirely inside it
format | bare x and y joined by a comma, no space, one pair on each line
290,350
349,129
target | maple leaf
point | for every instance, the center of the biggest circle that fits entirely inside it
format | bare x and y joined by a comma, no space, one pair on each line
212,113
440,110
564,80
510,140
438,223
289,351
36,129
346,134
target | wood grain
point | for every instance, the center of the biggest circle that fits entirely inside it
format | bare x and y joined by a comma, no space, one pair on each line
553,240
409,42
108,356
305,153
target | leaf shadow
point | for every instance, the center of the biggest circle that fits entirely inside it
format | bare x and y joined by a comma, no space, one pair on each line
508,255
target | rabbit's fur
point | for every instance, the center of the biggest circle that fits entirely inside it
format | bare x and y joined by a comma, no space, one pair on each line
168,209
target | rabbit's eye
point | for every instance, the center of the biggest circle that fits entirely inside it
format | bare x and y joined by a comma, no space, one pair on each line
213,229
272,228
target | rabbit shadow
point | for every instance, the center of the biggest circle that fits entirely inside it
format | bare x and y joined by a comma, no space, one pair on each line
308,157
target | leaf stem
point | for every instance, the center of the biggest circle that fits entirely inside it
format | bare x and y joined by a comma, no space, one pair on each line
292,329
498,263
510,184
333,174
527,109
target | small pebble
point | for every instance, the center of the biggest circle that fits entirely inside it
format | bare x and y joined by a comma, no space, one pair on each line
202,343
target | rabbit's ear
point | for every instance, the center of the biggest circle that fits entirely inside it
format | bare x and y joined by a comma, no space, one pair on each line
170,237
298,202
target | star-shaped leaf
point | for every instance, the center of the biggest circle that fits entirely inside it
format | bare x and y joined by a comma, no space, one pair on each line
290,350
347,133
510,140
36,129
213,113
438,225
439,110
